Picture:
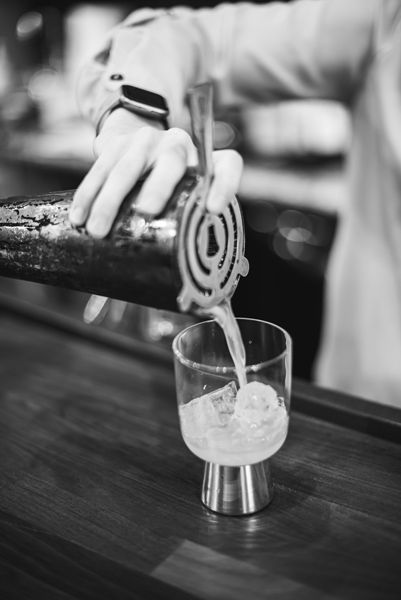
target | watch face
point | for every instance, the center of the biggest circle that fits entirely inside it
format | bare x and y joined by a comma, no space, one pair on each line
140,98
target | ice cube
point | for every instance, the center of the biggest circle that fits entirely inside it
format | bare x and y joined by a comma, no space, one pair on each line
197,416
223,401
210,410
256,401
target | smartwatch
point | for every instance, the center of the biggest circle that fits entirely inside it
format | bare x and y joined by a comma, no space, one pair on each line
139,101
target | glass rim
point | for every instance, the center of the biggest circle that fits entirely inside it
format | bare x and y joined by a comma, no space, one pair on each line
212,370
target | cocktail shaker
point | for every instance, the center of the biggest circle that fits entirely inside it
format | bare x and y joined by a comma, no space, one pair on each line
165,262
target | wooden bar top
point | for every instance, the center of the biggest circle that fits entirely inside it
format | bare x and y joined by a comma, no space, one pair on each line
100,497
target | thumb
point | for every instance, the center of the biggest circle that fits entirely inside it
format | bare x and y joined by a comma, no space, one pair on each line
228,167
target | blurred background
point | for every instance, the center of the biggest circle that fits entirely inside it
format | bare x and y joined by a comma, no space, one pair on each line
292,191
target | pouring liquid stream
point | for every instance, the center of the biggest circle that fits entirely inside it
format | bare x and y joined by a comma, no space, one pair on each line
223,314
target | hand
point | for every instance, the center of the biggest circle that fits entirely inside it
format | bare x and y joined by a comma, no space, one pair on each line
126,149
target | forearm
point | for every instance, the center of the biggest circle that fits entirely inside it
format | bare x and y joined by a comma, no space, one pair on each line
151,50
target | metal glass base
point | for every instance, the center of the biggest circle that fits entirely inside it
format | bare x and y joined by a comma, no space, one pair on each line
237,490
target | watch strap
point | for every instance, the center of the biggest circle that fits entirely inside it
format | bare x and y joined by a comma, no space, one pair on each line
114,102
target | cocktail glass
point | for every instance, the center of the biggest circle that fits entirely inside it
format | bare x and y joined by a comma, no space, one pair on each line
235,438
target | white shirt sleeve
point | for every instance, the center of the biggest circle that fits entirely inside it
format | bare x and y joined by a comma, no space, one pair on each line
251,53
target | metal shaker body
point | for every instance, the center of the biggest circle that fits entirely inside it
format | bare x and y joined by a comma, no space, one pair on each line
143,260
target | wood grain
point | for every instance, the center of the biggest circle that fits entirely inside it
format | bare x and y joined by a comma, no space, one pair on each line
100,498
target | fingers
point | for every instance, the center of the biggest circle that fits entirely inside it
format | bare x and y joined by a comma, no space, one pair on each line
126,157
122,161
119,182
174,154
228,166
93,182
